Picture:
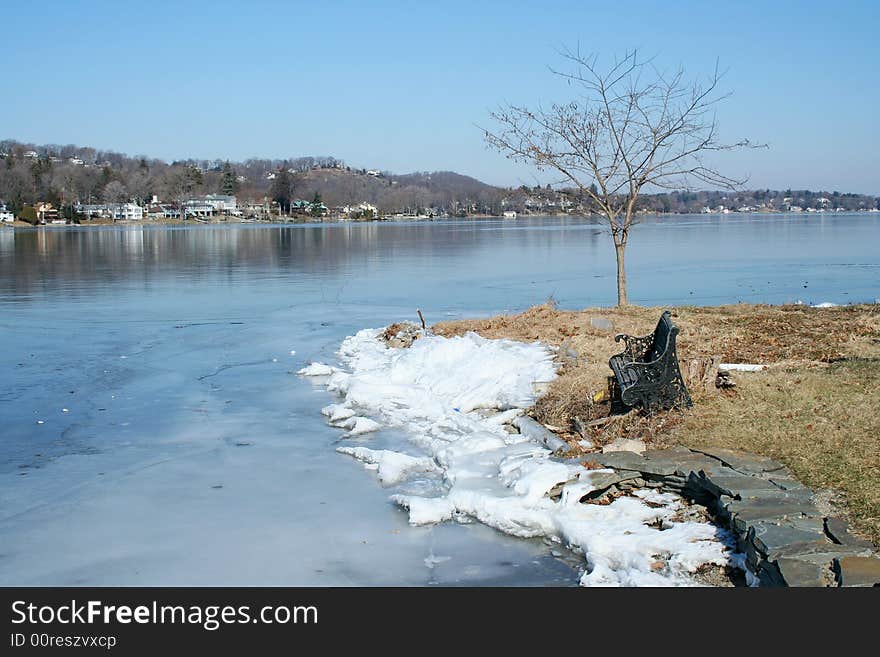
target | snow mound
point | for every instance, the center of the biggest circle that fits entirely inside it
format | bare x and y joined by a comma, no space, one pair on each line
337,413
360,425
317,369
452,397
392,467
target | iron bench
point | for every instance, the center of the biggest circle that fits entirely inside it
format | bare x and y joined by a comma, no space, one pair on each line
646,372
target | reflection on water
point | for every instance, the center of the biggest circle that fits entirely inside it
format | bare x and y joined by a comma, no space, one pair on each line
692,259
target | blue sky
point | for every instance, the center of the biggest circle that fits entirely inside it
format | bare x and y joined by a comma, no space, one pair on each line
403,86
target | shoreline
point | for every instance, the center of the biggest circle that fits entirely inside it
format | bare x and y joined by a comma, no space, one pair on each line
280,221
454,454
563,465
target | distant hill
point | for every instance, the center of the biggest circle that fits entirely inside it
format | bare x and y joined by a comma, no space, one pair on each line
64,175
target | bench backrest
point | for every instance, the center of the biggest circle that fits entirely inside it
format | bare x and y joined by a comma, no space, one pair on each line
663,334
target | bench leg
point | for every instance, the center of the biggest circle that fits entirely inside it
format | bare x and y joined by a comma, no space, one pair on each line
618,407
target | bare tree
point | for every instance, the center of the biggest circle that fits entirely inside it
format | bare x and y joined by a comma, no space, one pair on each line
630,127
115,192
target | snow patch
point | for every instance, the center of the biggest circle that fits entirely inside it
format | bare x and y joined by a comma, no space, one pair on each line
453,397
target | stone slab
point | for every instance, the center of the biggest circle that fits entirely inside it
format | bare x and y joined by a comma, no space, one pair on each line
743,461
784,535
768,537
684,464
620,460
786,483
768,573
676,451
601,480
625,445
770,499
602,324
736,485
858,571
817,553
838,530
659,467
804,495
743,513
795,572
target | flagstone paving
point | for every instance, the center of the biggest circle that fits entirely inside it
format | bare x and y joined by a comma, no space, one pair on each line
787,539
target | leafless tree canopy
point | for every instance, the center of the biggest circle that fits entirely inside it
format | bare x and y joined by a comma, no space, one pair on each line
631,126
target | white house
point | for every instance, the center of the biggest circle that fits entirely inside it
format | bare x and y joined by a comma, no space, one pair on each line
128,212
92,210
362,209
6,216
31,155
256,209
198,208
115,211
222,203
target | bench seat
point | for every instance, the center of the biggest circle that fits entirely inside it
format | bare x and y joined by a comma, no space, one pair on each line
625,376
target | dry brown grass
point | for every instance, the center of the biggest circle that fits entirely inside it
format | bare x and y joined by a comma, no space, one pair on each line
822,421
816,409
739,333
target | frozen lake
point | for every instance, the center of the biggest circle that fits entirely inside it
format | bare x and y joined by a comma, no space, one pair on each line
153,432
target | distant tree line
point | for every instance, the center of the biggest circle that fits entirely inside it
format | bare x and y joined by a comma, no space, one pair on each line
68,175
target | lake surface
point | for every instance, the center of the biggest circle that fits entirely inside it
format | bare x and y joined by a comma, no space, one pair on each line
152,430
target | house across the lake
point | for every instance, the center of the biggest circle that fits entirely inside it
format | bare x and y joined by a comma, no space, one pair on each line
222,203
114,211
198,208
47,213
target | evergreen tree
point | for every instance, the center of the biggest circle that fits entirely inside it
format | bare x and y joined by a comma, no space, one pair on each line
281,190
228,180
316,204
194,178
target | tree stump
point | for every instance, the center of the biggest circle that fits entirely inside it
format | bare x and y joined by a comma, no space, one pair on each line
702,373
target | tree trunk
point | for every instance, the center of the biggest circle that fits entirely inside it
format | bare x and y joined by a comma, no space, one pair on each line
620,249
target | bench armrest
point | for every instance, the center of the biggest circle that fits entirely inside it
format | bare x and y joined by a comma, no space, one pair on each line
626,338
659,363
636,346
